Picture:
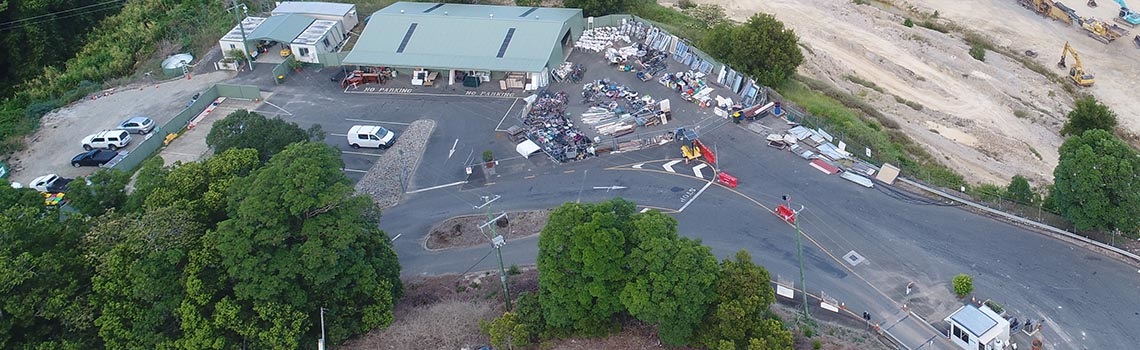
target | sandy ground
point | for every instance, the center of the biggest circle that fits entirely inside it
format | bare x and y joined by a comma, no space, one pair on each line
968,107
50,149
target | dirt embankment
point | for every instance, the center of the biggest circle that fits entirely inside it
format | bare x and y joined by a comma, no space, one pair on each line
987,120
463,231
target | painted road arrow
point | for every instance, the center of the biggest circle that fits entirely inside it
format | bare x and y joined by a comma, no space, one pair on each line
452,151
697,170
638,166
669,166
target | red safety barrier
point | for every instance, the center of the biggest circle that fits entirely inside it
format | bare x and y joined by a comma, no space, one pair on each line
786,213
726,179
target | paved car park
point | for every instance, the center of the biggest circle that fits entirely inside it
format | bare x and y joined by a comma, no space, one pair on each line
464,124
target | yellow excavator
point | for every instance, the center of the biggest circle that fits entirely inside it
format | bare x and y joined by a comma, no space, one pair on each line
1077,72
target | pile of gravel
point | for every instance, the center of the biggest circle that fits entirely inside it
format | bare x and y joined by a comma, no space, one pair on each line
382,182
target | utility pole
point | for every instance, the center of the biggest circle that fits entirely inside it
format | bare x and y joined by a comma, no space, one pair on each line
321,344
799,250
241,25
497,242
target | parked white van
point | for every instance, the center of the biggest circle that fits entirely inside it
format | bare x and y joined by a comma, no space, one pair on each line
370,136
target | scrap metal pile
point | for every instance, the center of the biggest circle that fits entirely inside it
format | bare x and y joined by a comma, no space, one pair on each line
569,71
691,85
548,126
616,110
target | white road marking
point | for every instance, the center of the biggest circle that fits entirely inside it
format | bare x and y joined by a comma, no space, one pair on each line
610,188
360,153
452,151
638,166
644,210
354,170
669,166
697,170
506,114
337,135
436,187
695,197
397,236
276,106
375,121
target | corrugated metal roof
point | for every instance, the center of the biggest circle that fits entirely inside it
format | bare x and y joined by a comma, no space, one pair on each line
282,28
315,32
461,36
973,320
250,24
314,8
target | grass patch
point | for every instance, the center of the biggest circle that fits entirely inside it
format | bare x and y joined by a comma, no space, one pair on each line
866,83
849,118
935,26
1021,114
1034,150
671,20
913,105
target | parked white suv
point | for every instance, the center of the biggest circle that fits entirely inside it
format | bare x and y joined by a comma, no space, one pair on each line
370,136
109,139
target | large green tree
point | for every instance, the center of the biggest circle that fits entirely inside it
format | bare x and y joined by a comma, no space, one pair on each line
44,281
245,129
296,240
762,48
740,313
672,285
95,194
1020,191
201,187
600,7
138,259
1097,182
581,254
1089,114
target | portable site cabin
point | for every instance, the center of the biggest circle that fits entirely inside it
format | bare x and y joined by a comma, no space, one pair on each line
344,14
973,327
233,41
323,36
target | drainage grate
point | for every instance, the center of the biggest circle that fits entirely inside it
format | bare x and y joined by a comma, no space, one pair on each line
853,258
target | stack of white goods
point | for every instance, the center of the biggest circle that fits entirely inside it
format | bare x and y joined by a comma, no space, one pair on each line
598,39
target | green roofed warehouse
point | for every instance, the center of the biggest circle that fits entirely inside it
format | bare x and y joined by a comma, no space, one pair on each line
468,44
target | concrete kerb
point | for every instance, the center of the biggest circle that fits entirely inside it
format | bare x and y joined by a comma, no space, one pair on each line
1057,233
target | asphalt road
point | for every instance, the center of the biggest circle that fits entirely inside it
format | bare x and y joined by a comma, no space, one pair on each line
1087,301
1078,293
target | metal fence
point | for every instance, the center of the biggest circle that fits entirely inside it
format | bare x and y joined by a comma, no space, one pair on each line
283,69
154,141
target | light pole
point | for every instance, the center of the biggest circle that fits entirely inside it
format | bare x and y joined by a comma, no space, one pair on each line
321,343
497,242
241,26
799,250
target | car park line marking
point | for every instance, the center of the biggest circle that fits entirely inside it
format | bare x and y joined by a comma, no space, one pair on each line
406,92
530,176
337,135
375,121
505,115
669,166
360,153
697,170
278,107
568,171
397,236
438,187
694,197
354,170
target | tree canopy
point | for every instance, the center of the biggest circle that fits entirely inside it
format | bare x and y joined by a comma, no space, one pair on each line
1020,191
599,260
1097,182
245,129
107,190
45,280
600,7
1089,114
761,48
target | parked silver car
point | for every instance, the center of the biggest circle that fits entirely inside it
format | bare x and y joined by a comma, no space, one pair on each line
137,125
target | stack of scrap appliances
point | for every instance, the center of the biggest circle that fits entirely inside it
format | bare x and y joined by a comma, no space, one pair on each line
1102,31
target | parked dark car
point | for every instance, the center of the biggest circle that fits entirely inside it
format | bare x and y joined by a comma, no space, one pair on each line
95,157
